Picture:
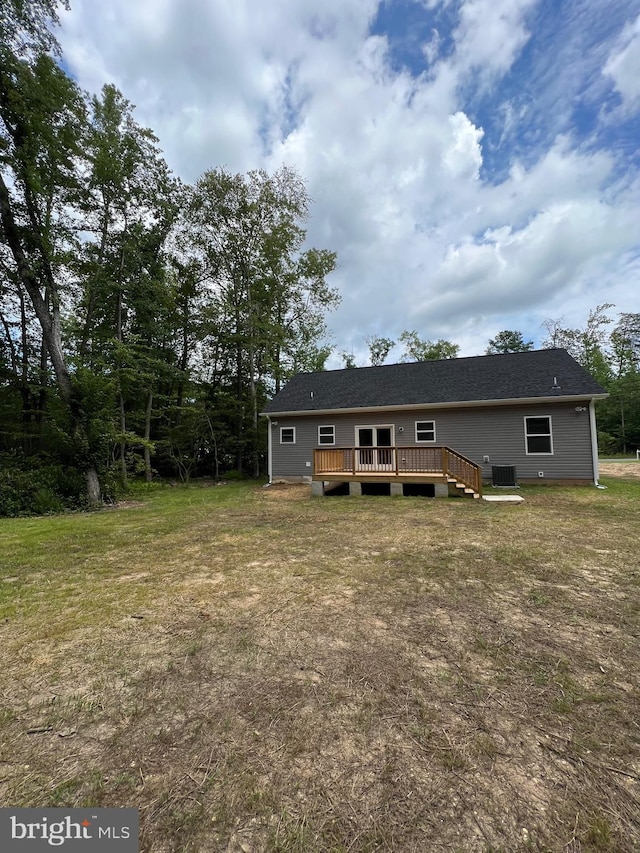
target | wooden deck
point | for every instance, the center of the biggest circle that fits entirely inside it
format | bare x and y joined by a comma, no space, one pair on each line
397,465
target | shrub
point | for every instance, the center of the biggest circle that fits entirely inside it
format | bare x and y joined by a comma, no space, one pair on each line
234,475
607,444
36,486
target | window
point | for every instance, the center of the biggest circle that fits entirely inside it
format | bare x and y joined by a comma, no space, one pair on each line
326,435
425,430
287,435
537,433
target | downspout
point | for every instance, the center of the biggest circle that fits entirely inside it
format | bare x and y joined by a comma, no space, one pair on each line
594,443
269,450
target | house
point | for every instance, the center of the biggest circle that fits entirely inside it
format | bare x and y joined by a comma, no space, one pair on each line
445,426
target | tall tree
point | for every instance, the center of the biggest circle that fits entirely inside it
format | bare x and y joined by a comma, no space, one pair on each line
621,413
42,127
129,206
246,233
613,359
587,344
416,349
508,341
379,349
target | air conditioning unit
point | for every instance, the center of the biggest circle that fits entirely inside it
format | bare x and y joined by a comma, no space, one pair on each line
504,475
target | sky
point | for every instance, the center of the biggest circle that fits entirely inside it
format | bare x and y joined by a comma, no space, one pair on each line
475,164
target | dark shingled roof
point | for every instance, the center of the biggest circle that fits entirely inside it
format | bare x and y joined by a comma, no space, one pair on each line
519,375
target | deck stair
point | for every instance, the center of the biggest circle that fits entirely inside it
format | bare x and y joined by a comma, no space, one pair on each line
464,488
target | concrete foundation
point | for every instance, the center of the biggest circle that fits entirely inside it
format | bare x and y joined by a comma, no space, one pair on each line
320,488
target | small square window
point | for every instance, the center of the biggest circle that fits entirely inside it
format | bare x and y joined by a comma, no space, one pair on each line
425,430
538,437
287,435
326,435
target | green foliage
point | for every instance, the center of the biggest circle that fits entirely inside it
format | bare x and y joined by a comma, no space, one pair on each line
379,349
588,344
607,444
416,349
612,357
36,486
263,297
508,341
234,476
143,324
27,24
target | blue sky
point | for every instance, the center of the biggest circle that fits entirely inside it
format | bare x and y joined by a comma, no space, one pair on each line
474,163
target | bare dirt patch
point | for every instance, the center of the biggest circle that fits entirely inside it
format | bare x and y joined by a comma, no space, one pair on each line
280,673
620,469
287,491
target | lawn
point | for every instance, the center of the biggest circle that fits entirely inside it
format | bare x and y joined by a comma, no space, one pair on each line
258,670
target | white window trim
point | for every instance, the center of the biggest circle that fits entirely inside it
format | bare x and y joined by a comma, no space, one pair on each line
392,427
425,440
534,434
327,443
294,435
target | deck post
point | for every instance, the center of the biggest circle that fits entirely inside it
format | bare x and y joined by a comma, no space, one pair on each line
355,488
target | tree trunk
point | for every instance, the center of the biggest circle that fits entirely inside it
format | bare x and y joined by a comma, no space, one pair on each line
253,391
253,395
53,341
182,366
239,403
42,393
94,495
148,474
123,443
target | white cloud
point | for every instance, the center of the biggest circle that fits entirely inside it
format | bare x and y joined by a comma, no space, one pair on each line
497,272
490,35
623,65
464,157
432,48
392,161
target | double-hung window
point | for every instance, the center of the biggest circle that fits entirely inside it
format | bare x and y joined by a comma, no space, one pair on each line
538,435
287,435
326,435
425,431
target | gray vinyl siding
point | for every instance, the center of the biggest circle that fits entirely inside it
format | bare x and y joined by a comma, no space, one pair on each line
494,431
290,460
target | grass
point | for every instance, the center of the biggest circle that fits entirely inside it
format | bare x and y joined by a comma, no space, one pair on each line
259,670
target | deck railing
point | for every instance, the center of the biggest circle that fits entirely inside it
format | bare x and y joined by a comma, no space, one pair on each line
463,470
397,461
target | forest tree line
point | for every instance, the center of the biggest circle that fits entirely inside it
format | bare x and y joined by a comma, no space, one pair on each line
145,322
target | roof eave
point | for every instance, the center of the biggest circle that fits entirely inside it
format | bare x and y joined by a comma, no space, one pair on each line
462,404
